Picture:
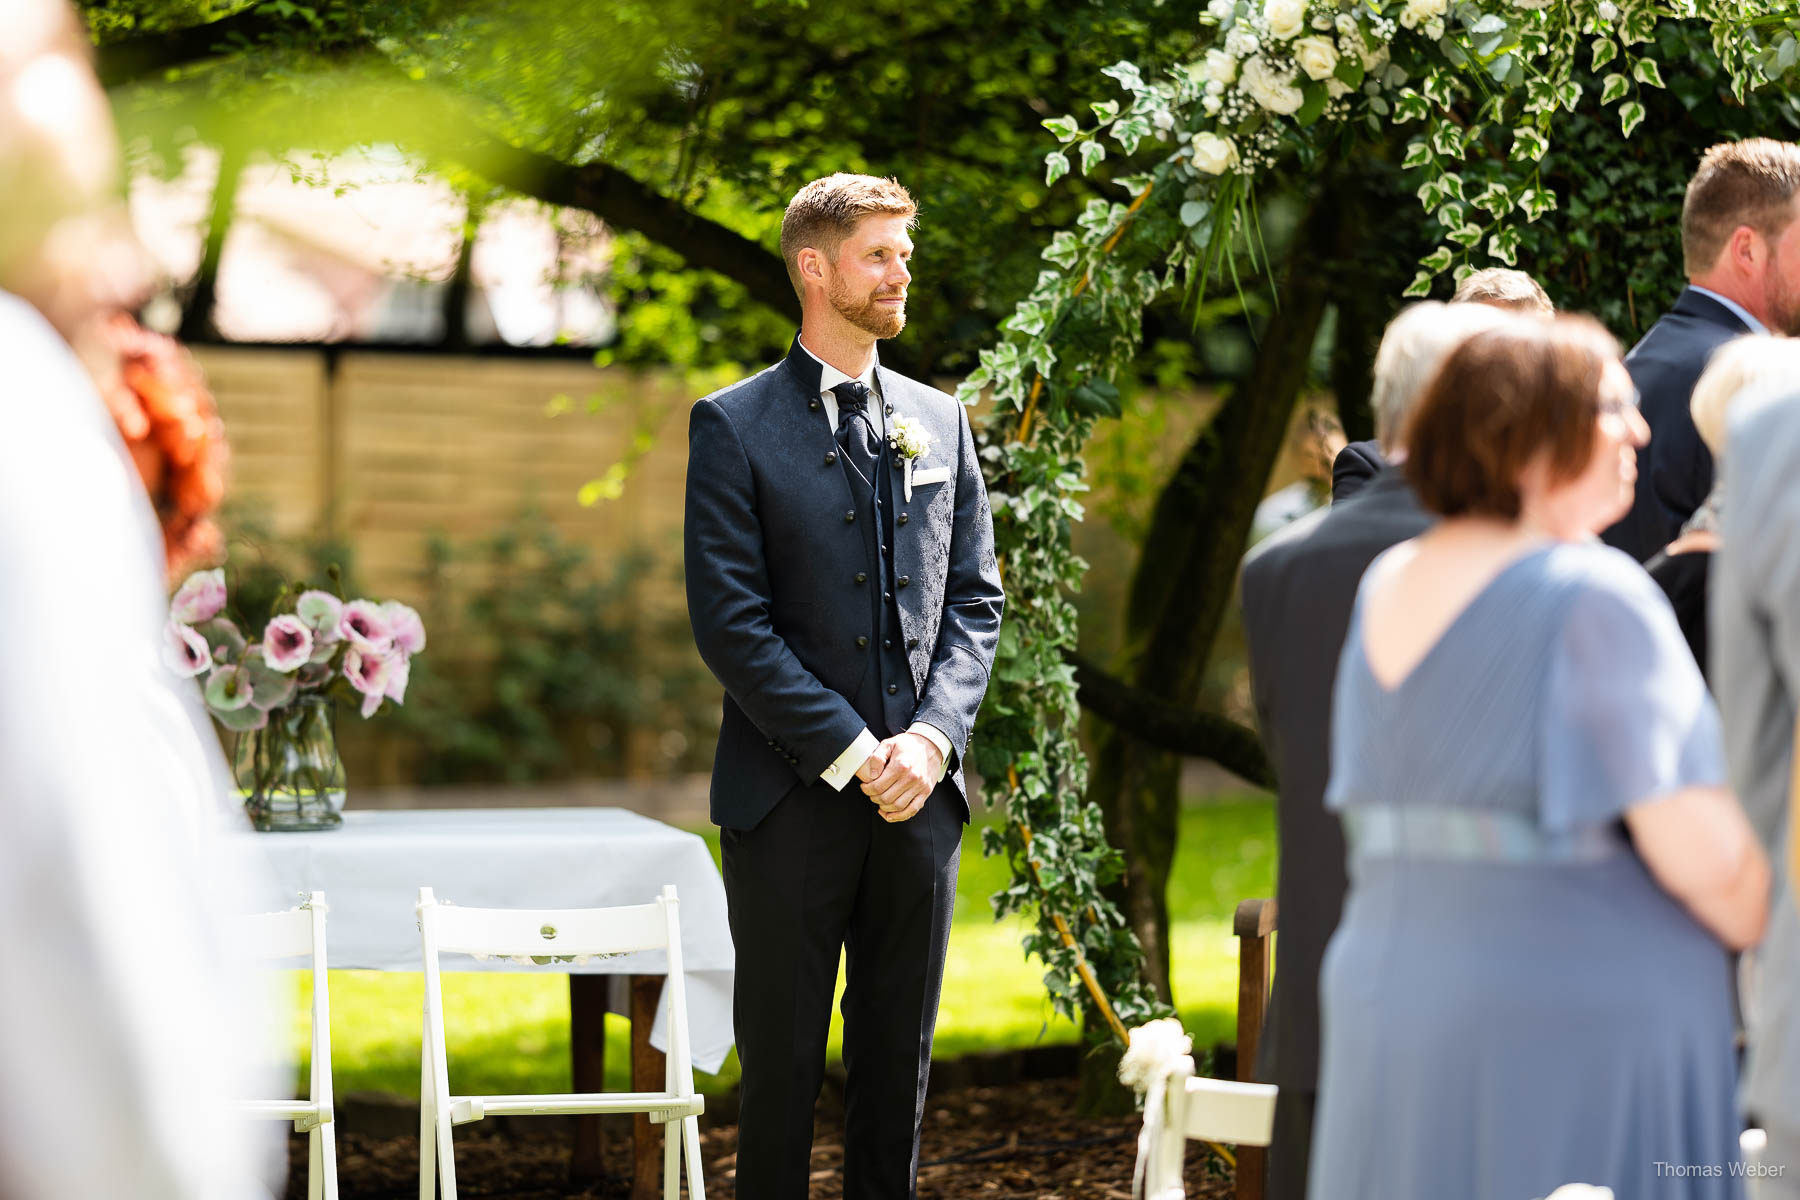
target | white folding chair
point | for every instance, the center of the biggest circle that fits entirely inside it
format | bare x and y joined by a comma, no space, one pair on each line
300,932
559,933
1210,1110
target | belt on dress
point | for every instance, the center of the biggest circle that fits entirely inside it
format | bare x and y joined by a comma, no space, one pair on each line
1471,835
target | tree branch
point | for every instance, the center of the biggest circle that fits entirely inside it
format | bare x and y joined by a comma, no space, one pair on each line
1156,722
147,55
609,193
626,203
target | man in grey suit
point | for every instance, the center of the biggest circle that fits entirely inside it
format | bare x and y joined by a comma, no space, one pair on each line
1754,617
842,585
1298,588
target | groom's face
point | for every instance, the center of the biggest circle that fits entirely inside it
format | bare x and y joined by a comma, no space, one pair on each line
867,283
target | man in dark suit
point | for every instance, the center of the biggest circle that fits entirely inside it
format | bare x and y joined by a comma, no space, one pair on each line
1298,589
1740,245
1502,287
842,585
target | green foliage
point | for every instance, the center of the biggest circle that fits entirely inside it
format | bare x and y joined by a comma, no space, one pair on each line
559,667
1503,77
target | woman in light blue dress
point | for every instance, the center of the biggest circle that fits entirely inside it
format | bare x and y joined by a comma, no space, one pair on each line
1530,983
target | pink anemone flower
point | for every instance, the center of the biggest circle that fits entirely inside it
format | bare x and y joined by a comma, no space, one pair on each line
200,598
184,650
368,673
366,627
287,643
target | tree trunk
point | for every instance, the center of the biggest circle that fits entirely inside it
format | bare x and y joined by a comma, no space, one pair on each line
1182,589
197,316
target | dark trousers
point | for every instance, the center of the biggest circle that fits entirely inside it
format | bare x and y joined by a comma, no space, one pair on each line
823,873
1290,1146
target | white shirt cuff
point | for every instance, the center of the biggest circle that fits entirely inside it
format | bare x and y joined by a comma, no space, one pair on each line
844,769
935,736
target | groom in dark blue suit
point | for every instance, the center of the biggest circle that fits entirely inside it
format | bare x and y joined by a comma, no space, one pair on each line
842,585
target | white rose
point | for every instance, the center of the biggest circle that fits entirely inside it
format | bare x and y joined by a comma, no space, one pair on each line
1417,12
1434,29
1609,11
1220,9
1241,43
1213,154
1533,3
1211,105
1346,26
1286,18
1274,90
1220,67
1317,56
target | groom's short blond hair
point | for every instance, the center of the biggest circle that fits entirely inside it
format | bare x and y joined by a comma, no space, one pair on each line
826,212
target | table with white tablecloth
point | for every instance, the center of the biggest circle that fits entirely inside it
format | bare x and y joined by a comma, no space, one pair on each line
372,867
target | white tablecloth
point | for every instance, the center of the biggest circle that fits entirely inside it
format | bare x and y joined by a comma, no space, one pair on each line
372,868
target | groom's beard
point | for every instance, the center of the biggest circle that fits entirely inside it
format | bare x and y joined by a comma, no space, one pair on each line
882,320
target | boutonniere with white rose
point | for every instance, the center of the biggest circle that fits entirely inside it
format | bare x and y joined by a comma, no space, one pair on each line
910,440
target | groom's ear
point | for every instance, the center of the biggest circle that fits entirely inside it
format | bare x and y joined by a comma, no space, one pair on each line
811,262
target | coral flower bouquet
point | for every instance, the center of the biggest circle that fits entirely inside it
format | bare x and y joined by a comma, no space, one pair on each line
276,692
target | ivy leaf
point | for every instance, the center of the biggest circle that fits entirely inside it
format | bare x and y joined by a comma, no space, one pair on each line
1528,143
1613,87
1437,260
1126,72
1468,235
1630,117
1417,155
1605,50
1105,110
1420,286
1646,73
1056,165
1091,153
1129,132
1065,128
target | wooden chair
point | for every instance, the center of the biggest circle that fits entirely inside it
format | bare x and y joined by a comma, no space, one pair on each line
558,933
1240,1113
300,932
1254,926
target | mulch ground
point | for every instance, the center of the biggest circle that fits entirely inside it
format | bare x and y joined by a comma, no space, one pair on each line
993,1143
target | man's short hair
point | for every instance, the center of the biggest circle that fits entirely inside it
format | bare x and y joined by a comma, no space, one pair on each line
1503,287
1752,183
1503,397
825,212
1413,348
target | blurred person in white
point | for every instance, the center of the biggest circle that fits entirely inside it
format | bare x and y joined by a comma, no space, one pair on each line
1755,644
123,1031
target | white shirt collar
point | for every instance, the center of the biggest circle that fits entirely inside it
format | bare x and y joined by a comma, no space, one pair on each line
830,376
1737,310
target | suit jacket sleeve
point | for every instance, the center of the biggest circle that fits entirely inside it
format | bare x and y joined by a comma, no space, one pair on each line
969,632
729,601
1681,470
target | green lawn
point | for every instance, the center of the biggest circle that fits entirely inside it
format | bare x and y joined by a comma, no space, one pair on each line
510,1032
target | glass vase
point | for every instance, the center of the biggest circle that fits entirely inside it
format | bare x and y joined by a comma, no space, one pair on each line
289,772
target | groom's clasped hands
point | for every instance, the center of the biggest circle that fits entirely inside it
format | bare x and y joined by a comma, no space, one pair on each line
900,775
